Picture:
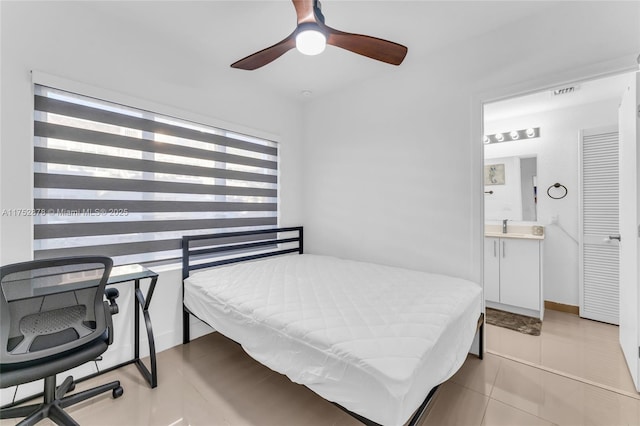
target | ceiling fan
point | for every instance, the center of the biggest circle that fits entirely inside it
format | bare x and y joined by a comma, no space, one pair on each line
312,35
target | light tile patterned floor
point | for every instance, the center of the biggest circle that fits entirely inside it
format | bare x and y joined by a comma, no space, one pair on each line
578,347
212,382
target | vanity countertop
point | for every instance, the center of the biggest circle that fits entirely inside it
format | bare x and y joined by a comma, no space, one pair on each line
514,235
513,231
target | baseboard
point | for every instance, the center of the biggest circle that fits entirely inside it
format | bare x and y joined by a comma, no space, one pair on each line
561,307
198,328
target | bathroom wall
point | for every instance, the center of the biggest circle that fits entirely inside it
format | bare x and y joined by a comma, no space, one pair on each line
557,151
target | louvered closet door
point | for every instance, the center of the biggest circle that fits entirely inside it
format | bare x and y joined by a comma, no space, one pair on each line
599,251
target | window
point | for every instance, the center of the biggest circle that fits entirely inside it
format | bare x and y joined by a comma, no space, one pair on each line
128,183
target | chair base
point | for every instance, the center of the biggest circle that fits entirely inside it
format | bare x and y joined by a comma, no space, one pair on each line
55,401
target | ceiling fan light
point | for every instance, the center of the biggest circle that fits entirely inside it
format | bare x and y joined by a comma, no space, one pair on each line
310,42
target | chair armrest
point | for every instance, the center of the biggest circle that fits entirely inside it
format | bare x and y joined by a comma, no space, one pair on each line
107,314
112,294
110,309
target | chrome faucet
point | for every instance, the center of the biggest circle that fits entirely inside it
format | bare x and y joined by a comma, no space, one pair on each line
504,226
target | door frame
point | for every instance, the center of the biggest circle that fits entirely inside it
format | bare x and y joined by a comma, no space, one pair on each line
629,337
479,99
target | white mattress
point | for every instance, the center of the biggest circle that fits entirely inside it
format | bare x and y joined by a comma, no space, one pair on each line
372,338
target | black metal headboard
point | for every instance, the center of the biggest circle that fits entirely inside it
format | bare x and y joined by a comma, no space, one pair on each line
235,242
232,247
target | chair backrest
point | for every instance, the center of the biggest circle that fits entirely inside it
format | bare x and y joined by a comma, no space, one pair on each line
51,306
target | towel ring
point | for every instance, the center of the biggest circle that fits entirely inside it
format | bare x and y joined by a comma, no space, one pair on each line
557,185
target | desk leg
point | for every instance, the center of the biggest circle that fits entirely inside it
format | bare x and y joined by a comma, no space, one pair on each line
143,305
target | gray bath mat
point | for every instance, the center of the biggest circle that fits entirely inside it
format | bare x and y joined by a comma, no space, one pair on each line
520,323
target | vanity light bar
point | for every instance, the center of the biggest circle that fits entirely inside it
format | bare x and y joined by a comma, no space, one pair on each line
514,135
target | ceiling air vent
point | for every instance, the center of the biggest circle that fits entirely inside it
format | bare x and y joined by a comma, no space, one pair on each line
565,90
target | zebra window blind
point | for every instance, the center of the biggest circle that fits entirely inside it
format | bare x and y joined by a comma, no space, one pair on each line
128,183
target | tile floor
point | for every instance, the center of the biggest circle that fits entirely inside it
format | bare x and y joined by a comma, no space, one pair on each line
585,349
212,382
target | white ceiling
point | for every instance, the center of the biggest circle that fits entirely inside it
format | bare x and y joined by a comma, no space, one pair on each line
220,32
584,93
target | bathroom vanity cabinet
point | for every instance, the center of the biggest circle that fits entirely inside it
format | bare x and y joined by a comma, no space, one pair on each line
513,274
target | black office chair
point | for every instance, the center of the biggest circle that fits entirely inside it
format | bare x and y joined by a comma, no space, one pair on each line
53,318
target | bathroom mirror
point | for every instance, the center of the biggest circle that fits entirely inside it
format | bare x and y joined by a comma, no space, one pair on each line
510,188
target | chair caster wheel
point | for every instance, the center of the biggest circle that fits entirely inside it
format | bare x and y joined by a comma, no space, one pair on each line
117,392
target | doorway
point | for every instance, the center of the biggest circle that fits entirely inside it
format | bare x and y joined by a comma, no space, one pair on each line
557,117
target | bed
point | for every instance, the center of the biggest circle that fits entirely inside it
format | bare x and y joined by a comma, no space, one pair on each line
373,339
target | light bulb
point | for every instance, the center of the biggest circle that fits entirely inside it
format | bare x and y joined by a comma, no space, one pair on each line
310,42
486,139
514,135
499,137
531,133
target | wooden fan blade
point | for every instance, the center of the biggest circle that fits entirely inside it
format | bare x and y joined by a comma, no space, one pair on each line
371,47
305,10
267,55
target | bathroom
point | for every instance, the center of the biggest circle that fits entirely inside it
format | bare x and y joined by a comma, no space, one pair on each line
549,196
533,158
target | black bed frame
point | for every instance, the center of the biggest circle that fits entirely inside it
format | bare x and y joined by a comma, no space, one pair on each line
232,247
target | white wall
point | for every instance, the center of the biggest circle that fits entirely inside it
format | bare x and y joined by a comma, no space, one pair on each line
67,39
557,151
393,165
